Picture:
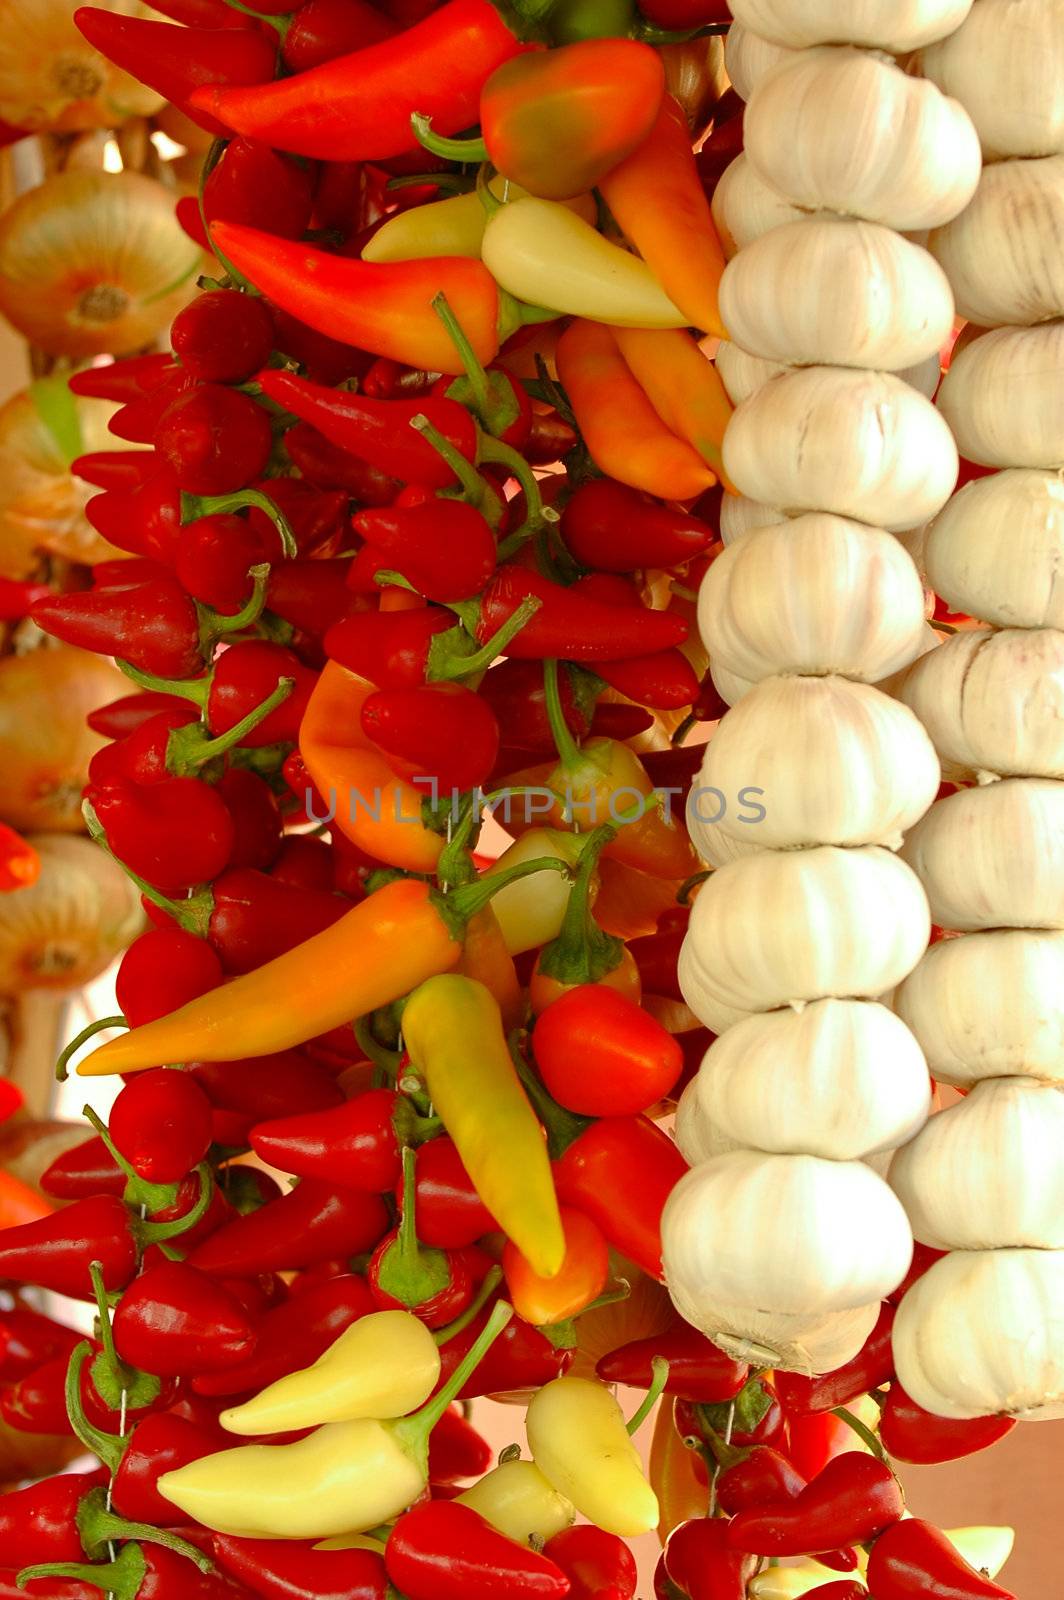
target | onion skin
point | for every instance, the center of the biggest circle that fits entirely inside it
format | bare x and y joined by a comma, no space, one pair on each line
44,699
69,926
53,81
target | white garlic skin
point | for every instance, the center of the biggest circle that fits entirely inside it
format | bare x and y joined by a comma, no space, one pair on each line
818,594
989,1005
838,1079
778,1339
831,761
993,857
982,1334
747,57
744,206
1005,64
839,129
894,25
741,373
858,295
1004,254
1003,397
739,514
987,1172
996,550
859,444
782,927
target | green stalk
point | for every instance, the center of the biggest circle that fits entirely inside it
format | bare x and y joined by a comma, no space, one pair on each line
566,746
207,505
660,1370
214,626
193,914
99,1026
190,751
467,151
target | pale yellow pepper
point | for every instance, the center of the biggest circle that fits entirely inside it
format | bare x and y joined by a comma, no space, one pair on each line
382,1366
530,911
579,1441
517,1499
452,227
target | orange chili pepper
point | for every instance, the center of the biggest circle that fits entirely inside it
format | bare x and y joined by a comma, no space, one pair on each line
19,1203
658,200
486,958
682,385
20,865
581,1279
681,1495
624,434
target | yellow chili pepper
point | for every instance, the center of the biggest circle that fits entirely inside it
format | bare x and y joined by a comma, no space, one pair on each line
516,1498
454,1036
381,1366
790,1583
486,958
683,386
681,1494
984,1547
452,227
543,254
531,911
580,1443
344,1478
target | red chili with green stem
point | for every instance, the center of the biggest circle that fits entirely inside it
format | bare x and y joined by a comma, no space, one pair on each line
665,680
521,1358
358,1144
247,916
152,624
449,1212
872,1366
702,1565
436,1285
609,527
570,626
175,834
119,717
217,440
443,548
176,1322
28,1339
292,1569
269,1088
223,336
325,465
294,1334
252,184
851,1501
161,1123
698,1370
321,30
146,1572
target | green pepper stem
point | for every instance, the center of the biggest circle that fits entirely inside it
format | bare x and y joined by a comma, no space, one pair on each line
193,914
139,1191
583,952
449,666
407,1235
200,751
474,370
492,449
88,1032
562,1127
864,1433
473,485
492,1280
209,505
194,689
660,1370
386,1061
463,903
214,626
485,194
104,1312
413,1431
566,746
158,1232
464,150
109,1447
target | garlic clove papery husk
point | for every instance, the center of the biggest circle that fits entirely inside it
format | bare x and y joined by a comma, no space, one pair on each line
828,761
993,701
987,1173
748,56
982,1334
993,857
791,1233
894,25
858,295
839,129
778,1339
839,1079
783,927
1003,397
989,1005
739,514
729,685
996,550
859,444
741,373
818,594
1005,63
744,206
1004,254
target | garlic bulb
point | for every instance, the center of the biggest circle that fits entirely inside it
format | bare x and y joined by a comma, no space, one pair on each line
860,444
1004,254
852,1247
993,857
859,295
989,1005
1005,64
839,1079
894,25
728,685
993,701
747,57
925,376
744,206
997,549
780,928
819,594
739,514
780,1339
829,761
982,1334
839,129
987,1173
741,373
1003,397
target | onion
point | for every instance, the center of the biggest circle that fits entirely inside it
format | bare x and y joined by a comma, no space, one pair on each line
53,81
69,926
42,508
94,262
44,699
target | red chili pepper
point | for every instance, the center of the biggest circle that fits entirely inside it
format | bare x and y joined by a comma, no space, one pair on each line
914,1559
161,1123
216,439
872,1366
321,30
389,648
292,1569
144,519
145,1572
441,736
450,1213
311,594
175,834
153,625
162,970
54,1252
851,1501
40,1402
254,185
621,1171
222,336
123,380
656,955
388,380
602,1055
304,863
28,1339
816,1439
257,819
129,711
205,14
143,756
699,1560
436,1285
515,692
725,141
359,107
327,467
311,1223
520,1358
138,420
611,528
114,469
256,917
175,61
909,1433
571,626
177,1322
445,1551
294,1334
457,1451
760,1477
697,1369
665,680
445,548
599,1565
44,1522
268,1087
356,1144
16,598
247,674
157,1444
82,1172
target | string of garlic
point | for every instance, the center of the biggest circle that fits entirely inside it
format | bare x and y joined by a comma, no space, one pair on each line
783,1239
983,1330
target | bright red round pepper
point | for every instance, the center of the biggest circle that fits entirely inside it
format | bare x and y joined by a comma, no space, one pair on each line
216,440
223,336
602,1055
161,1123
176,1322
